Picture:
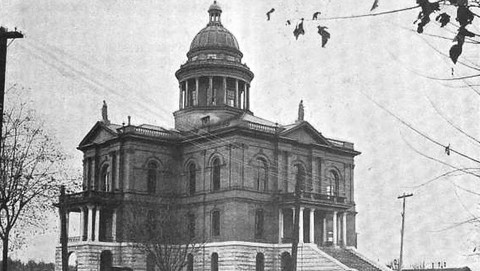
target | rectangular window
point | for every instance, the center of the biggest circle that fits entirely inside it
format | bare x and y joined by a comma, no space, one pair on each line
259,224
191,225
216,223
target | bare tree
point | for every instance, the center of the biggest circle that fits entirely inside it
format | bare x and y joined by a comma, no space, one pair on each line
30,162
160,230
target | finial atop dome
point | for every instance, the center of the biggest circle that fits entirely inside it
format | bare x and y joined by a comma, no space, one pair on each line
214,11
301,111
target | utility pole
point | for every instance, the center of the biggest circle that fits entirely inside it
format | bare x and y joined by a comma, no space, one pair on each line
5,35
404,196
63,229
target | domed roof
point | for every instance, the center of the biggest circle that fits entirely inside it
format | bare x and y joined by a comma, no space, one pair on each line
214,37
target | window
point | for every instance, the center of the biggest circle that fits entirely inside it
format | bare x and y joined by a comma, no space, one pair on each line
261,171
216,223
105,186
216,174
287,263
231,98
334,183
205,120
191,179
152,177
260,262
105,260
150,262
151,223
214,263
300,176
191,225
190,262
259,224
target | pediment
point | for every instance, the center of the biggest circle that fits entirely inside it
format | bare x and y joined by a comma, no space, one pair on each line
98,134
305,133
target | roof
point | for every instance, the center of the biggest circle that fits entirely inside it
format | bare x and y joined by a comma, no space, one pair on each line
214,36
252,118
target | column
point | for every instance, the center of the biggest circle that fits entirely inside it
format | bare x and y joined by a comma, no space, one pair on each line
293,215
312,225
237,103
114,225
344,228
287,172
280,225
67,221
300,225
245,96
97,223
334,228
196,91
180,98
210,91
224,90
324,234
92,174
187,94
82,223
89,222
248,97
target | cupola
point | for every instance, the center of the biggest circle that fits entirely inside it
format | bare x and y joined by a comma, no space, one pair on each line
213,82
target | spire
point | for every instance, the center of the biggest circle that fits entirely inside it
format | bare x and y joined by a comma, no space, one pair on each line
105,113
301,111
214,11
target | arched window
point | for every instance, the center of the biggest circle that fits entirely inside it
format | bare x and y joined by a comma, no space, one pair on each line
215,223
105,180
287,264
105,260
259,223
216,174
334,183
261,172
150,262
299,173
260,262
191,179
152,177
190,262
214,262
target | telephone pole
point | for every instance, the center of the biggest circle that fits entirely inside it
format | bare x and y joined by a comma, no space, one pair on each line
5,35
404,196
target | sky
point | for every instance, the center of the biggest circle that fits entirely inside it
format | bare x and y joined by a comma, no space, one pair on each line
76,54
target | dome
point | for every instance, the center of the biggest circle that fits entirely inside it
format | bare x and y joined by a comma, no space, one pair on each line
214,37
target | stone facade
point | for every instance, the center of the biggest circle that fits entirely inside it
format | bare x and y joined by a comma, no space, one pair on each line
232,172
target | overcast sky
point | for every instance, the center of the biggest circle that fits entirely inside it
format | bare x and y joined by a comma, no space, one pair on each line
78,53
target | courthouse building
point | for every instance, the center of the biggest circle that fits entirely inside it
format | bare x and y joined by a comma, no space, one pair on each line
233,175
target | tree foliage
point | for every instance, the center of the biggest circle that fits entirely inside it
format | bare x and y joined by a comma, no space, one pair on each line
30,172
162,232
17,265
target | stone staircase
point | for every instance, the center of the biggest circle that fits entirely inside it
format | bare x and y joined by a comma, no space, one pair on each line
311,258
351,258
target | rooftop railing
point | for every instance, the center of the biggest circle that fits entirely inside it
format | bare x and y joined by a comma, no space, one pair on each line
146,132
341,144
